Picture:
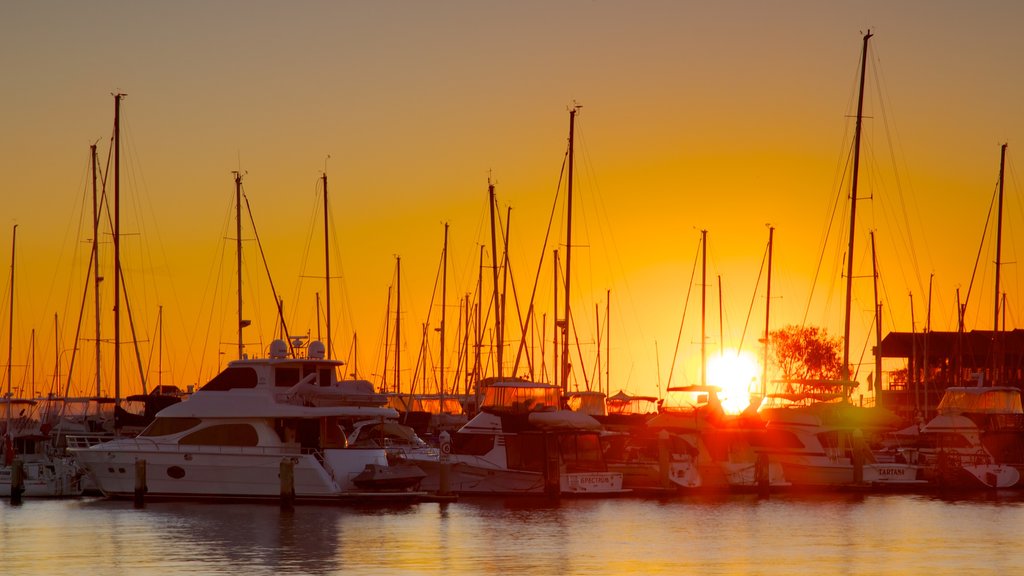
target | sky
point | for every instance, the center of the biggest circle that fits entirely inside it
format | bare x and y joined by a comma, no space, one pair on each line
727,116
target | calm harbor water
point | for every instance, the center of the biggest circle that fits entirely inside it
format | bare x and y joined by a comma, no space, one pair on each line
728,534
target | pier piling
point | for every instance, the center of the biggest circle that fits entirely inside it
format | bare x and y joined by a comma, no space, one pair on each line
140,483
287,484
17,480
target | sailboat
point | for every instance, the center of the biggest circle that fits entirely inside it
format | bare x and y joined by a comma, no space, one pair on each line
822,444
27,447
522,441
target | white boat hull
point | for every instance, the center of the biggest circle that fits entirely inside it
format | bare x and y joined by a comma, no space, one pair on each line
238,472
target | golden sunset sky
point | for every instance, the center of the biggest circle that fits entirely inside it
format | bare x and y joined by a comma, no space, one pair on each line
725,116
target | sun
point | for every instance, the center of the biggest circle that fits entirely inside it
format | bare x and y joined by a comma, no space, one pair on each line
736,375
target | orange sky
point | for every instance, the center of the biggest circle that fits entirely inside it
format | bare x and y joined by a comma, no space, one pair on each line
721,116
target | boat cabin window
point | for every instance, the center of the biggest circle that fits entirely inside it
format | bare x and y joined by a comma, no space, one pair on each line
325,376
939,440
525,452
165,426
472,444
581,453
776,439
286,376
230,378
223,435
332,435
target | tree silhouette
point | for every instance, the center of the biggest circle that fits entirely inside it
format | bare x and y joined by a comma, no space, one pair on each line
808,359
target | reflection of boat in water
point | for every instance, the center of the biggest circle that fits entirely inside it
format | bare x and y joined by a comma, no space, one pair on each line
976,440
231,438
522,443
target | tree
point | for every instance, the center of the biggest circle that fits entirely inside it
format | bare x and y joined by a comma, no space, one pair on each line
808,359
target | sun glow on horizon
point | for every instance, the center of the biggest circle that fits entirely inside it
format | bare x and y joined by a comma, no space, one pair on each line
736,375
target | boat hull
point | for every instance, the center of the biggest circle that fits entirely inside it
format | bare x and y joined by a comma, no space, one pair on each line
245,472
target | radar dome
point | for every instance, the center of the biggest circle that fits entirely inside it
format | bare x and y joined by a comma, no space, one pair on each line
316,350
278,349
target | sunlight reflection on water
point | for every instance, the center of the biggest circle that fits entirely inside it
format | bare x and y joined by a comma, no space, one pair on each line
728,534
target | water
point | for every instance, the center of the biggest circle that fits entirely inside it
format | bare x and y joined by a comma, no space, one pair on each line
787,534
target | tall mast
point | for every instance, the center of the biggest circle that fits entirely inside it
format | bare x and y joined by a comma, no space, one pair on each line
238,258
567,318
878,320
444,294
853,218
398,323
767,314
117,247
498,334
327,266
556,366
96,267
387,334
703,301
999,248
608,343
10,323
479,324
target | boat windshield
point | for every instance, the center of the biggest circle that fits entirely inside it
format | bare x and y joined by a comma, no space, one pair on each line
689,398
981,401
591,403
519,398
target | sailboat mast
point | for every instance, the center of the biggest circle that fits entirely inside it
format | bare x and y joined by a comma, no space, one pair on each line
327,266
10,323
767,314
703,307
494,270
607,342
444,294
238,257
853,217
567,318
117,247
96,267
556,366
999,249
878,321
398,323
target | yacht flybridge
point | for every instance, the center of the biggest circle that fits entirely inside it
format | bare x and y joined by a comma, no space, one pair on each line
229,439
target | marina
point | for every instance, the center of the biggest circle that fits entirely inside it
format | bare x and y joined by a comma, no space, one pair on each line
456,288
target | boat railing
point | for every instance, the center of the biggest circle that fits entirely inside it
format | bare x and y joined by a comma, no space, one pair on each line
150,445
82,441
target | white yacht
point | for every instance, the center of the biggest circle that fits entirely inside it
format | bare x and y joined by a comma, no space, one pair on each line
822,445
976,440
521,442
229,439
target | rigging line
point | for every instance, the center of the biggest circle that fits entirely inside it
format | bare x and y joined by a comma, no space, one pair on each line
213,278
579,354
544,249
682,321
837,203
426,324
750,310
266,267
889,131
981,247
524,325
311,226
